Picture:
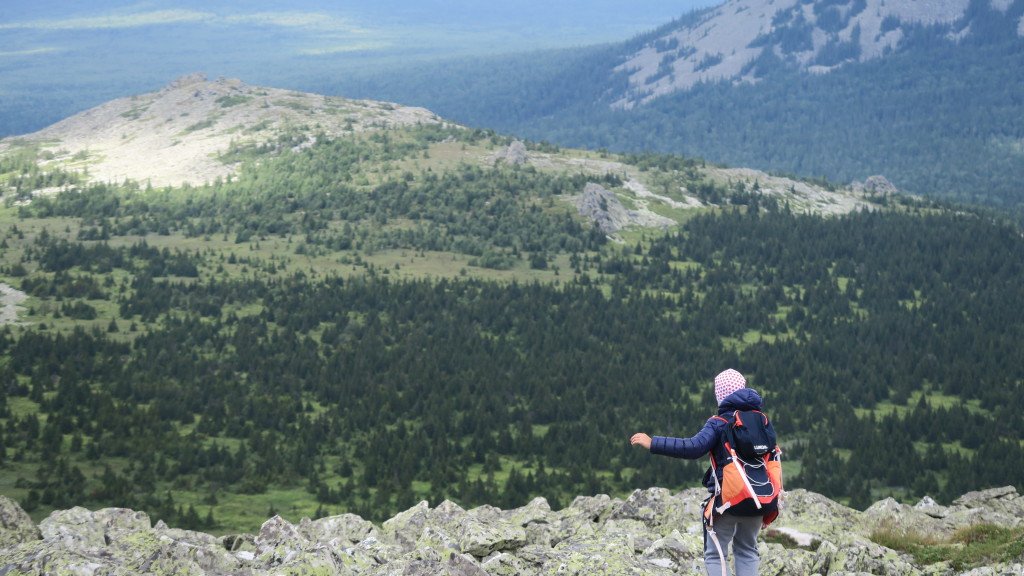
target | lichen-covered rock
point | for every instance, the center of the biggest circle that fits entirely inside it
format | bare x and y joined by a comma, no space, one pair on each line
602,556
172,552
818,516
585,515
779,561
647,506
680,553
506,564
75,528
455,565
16,526
118,521
660,511
482,538
892,515
862,555
53,558
537,511
999,505
435,545
639,535
339,531
404,528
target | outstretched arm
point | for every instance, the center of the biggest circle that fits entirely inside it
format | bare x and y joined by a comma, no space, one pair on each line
691,448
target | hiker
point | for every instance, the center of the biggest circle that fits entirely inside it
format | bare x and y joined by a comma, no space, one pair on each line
731,514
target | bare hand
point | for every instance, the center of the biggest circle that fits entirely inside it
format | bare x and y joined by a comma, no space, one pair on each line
641,439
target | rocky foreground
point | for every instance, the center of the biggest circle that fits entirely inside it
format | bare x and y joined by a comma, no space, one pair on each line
652,532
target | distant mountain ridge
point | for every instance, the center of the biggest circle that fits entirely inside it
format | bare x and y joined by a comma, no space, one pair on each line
924,92
726,42
196,131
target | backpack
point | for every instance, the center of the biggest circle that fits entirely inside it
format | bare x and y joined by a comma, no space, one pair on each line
751,469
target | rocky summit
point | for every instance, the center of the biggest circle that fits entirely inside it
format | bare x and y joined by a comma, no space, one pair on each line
653,531
181,133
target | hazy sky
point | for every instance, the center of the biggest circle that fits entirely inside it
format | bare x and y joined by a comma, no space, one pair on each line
58,57
37,27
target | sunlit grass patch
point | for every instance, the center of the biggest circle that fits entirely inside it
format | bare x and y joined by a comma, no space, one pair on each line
977,545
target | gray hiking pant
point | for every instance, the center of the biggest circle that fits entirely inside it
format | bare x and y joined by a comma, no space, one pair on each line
742,532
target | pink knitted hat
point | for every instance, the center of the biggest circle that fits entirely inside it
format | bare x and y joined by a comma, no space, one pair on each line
728,382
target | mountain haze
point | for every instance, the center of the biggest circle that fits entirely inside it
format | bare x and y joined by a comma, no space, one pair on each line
925,93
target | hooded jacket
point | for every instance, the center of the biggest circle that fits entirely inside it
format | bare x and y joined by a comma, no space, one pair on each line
708,439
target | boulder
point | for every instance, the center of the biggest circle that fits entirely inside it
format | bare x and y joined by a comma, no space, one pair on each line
682,554
515,154
404,528
16,526
506,564
455,565
603,208
814,514
1005,503
76,528
777,560
339,531
612,555
932,508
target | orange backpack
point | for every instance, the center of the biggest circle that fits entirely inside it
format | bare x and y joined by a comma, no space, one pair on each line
751,469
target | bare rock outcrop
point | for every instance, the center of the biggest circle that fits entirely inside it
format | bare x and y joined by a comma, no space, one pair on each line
514,155
181,132
608,213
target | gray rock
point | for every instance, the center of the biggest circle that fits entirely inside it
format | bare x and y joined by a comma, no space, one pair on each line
677,552
1004,501
537,511
75,528
514,155
506,564
880,184
603,208
776,560
605,556
16,526
932,508
339,531
455,565
116,522
404,528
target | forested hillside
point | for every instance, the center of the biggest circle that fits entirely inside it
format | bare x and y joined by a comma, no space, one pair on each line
360,323
938,116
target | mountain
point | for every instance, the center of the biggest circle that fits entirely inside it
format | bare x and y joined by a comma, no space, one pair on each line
180,133
354,306
191,131
922,92
733,41
652,532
